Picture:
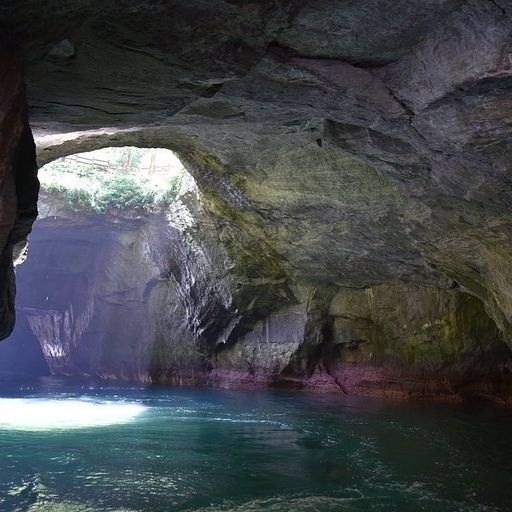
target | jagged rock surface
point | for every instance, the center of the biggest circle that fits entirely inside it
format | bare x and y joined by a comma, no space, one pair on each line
98,296
124,292
334,145
18,184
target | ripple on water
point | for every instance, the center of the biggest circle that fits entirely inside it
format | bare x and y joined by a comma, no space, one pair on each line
295,504
207,451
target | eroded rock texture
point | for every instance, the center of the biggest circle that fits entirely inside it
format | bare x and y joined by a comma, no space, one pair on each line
126,298
18,183
392,341
336,145
97,297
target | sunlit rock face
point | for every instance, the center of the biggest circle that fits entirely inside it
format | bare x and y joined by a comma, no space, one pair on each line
98,298
124,293
335,145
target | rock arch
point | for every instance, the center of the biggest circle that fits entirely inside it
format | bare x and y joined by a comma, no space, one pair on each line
408,183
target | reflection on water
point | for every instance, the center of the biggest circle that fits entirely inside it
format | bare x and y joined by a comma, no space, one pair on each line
44,414
82,448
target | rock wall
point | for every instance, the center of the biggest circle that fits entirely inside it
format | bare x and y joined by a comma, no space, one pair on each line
390,340
120,297
356,143
96,294
340,145
18,183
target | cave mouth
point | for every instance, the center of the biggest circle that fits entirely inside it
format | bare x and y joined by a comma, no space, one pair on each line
350,233
97,256
112,181
125,281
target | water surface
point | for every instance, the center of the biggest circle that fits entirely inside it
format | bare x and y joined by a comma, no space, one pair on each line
91,448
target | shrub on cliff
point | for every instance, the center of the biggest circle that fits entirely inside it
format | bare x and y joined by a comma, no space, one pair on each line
123,192
76,199
119,185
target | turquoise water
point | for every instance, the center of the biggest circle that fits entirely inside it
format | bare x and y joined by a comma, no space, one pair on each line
85,448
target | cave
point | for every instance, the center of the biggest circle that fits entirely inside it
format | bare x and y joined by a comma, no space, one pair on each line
99,266
343,228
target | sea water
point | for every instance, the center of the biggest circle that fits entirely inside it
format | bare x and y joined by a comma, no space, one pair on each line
93,447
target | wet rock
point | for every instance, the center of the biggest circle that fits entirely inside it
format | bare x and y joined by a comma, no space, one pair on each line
334,146
390,340
62,50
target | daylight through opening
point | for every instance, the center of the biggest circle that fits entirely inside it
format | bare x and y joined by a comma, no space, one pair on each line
110,180
98,266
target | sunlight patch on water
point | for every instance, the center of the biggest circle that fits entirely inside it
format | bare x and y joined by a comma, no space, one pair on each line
35,414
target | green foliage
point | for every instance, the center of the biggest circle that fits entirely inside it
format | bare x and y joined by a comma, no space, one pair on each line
168,195
76,199
79,199
122,192
85,188
78,169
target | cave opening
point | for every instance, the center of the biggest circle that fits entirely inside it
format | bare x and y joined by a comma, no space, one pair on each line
98,265
346,231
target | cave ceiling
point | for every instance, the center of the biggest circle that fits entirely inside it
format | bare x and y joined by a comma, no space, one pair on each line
345,143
